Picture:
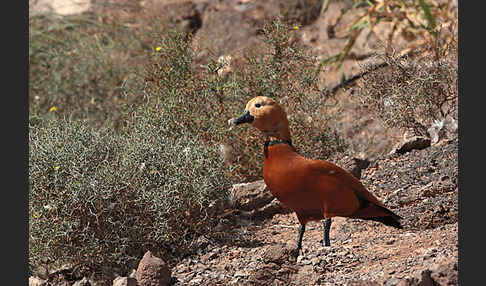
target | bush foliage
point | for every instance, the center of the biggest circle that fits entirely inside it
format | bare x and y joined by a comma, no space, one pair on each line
101,199
116,169
413,94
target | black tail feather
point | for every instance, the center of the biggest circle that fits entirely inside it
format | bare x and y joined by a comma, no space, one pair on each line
392,220
387,220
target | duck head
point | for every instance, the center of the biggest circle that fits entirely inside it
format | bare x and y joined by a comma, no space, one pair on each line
266,115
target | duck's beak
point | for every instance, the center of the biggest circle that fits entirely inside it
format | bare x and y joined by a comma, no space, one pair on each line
245,118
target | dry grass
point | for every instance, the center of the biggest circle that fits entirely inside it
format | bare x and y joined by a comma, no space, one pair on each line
415,92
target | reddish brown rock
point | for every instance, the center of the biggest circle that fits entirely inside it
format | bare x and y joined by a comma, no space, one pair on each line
278,254
153,271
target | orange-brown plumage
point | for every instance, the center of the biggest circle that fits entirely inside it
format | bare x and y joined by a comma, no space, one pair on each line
314,189
315,186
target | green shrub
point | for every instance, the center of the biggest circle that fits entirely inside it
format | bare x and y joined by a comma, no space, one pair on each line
100,196
100,199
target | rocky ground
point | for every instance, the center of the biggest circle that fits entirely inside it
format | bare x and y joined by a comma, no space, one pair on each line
419,185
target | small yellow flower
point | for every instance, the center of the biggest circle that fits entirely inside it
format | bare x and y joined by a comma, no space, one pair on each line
158,48
57,167
295,27
52,109
36,215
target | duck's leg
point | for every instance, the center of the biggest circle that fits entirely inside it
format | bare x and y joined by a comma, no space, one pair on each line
299,239
327,228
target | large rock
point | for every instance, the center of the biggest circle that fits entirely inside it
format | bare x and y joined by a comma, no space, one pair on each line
250,196
254,201
152,271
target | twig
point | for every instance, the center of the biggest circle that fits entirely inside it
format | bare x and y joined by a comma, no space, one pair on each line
284,226
345,82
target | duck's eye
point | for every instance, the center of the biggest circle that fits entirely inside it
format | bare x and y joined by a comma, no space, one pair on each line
258,105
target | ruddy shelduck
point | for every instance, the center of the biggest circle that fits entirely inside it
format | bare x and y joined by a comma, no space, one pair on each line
313,189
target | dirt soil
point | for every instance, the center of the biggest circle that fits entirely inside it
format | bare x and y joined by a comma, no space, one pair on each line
420,186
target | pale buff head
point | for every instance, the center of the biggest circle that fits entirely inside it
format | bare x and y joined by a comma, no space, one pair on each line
267,116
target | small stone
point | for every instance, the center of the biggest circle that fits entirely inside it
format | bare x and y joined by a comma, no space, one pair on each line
409,144
133,274
276,254
82,282
407,281
240,274
426,279
431,252
124,281
300,258
392,281
196,280
209,256
305,261
36,281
